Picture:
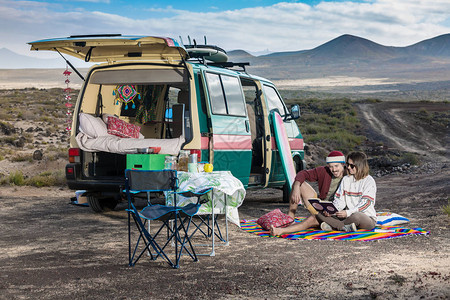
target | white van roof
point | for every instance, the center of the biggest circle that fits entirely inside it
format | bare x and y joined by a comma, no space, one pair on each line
114,47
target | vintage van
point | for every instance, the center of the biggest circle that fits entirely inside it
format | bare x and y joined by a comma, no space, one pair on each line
182,97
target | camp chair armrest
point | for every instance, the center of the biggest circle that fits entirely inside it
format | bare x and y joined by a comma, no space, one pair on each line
198,193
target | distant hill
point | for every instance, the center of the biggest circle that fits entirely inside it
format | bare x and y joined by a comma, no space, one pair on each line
349,47
437,46
349,55
239,54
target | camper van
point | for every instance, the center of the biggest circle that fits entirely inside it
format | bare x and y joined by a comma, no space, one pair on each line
156,93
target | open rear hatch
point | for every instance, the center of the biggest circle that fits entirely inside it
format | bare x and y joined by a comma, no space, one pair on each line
164,73
114,47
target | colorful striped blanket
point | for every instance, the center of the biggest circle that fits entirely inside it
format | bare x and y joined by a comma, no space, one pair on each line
379,233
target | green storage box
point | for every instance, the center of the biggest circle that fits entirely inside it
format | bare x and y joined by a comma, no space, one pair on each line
146,161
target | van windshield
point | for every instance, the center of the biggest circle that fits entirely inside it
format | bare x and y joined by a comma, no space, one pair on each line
274,100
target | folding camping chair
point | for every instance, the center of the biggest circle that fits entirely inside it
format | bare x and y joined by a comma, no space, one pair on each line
176,220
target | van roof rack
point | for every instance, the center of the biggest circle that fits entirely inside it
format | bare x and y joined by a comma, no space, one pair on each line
229,65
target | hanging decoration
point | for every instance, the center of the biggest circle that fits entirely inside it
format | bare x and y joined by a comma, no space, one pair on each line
68,98
126,94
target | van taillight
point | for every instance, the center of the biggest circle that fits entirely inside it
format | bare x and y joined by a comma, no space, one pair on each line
74,155
199,154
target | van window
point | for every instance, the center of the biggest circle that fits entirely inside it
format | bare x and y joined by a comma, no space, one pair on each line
216,94
226,95
273,100
233,95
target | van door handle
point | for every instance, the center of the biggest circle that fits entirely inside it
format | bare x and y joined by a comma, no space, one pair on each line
247,126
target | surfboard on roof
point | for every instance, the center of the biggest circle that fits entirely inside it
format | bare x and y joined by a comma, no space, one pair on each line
209,52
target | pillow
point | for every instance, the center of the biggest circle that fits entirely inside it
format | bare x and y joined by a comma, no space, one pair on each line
92,126
122,129
275,218
390,219
105,119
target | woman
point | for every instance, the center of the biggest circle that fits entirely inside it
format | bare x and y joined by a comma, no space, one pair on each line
354,199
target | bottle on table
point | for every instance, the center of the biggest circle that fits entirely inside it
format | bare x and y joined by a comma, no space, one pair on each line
183,160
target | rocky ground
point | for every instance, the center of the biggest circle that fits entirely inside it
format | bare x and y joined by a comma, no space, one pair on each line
50,249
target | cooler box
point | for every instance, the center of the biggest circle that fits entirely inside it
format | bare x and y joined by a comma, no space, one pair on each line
146,161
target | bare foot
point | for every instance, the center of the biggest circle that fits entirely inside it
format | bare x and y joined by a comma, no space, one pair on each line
275,231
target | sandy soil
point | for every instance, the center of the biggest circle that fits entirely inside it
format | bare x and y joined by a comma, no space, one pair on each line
333,81
51,249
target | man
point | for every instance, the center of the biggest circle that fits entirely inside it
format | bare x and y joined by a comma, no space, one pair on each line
328,179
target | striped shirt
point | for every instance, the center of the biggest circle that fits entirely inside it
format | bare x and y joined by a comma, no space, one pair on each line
356,196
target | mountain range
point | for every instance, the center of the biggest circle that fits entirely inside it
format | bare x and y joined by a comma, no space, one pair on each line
346,55
349,55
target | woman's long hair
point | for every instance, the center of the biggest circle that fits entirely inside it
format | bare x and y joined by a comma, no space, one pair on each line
360,161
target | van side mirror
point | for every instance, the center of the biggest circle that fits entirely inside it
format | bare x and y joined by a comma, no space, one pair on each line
294,113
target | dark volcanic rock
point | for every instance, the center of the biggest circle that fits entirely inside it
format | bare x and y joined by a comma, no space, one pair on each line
20,142
37,155
7,129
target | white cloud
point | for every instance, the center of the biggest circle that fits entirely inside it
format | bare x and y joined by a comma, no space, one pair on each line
280,27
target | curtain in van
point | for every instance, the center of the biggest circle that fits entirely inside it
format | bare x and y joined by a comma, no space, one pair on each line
147,111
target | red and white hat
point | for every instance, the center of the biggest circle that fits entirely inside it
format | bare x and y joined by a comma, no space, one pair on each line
336,157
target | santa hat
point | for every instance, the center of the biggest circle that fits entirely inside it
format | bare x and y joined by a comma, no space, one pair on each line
336,157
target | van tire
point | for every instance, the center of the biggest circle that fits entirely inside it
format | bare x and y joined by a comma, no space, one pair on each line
286,193
100,205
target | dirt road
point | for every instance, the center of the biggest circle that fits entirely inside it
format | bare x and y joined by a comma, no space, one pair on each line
394,124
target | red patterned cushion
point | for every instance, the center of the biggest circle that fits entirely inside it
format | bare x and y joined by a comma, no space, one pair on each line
123,129
275,218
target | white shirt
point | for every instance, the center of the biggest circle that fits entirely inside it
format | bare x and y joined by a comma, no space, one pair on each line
356,196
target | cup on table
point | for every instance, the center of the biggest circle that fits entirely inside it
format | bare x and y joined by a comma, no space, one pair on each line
192,167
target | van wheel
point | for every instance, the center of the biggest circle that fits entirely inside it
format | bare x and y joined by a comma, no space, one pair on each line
286,193
100,205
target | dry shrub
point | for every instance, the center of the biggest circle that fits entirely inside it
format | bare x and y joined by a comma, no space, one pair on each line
48,178
22,157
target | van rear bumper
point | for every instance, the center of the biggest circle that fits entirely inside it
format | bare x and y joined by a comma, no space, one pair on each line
104,184
95,185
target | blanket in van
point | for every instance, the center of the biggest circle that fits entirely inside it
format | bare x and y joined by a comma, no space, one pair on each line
115,144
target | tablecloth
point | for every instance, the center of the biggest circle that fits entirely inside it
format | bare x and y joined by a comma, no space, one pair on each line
222,182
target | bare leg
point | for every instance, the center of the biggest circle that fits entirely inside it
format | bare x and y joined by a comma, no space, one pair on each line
311,221
305,191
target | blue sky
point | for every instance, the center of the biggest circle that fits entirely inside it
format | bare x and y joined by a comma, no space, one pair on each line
144,9
252,25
